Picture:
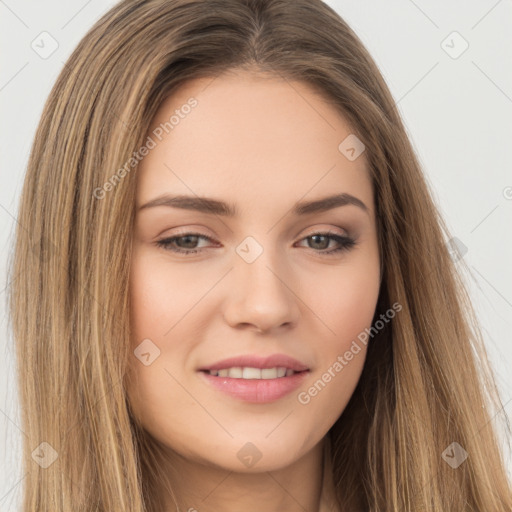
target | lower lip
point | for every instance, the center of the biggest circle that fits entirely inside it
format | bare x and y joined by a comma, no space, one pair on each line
256,390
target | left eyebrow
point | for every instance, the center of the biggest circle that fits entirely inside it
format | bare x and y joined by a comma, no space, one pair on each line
222,208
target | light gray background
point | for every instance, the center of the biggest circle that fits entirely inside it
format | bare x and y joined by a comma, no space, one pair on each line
457,112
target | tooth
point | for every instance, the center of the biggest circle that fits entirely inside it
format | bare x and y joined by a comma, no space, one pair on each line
251,373
269,373
235,372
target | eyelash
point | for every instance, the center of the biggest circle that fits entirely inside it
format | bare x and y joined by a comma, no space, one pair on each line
346,243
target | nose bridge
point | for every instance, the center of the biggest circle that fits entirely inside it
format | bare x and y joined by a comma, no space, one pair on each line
261,294
258,261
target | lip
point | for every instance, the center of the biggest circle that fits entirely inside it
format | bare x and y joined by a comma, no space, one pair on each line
254,361
256,391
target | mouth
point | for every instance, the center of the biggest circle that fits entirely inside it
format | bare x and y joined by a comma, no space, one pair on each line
251,373
255,379
254,385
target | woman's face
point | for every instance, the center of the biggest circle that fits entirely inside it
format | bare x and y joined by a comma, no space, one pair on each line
250,275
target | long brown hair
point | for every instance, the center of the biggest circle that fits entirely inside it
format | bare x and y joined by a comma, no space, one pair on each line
426,383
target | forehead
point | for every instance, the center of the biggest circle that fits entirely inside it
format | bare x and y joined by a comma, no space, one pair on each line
249,137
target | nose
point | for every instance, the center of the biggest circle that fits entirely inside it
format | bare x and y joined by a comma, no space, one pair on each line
262,296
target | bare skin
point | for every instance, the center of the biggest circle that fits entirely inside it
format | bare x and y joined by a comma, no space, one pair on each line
262,144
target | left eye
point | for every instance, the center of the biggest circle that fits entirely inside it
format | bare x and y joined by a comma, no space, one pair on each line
186,244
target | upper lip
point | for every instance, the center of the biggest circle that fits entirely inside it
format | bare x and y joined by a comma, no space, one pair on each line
254,361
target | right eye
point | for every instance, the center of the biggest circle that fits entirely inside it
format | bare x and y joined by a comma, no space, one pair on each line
190,239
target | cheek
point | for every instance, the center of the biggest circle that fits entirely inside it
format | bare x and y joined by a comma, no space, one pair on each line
344,302
354,307
163,407
158,321
346,307
159,299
